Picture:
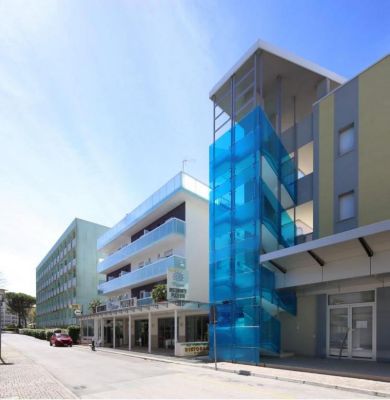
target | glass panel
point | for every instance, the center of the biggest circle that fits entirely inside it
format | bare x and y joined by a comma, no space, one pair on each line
141,334
351,298
338,334
166,333
346,206
362,332
346,140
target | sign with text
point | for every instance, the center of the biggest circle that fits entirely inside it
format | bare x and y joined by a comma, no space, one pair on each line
177,281
188,349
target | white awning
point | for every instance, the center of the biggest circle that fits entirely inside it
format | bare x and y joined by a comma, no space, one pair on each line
359,252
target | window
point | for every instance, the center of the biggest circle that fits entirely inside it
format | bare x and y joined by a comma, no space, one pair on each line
197,328
346,139
346,206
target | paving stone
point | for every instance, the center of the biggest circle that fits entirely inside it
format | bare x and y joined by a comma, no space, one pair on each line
21,378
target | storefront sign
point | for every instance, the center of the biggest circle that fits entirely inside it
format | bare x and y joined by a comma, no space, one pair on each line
177,282
190,349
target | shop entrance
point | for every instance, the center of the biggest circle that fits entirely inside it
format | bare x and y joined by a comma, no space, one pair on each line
141,334
351,329
166,333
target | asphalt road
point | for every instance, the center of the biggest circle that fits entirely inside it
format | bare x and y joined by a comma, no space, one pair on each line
105,375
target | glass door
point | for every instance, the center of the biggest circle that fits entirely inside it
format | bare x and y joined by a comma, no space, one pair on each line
351,331
362,331
338,332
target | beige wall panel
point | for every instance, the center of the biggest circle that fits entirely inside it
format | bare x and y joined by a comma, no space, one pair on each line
374,143
299,332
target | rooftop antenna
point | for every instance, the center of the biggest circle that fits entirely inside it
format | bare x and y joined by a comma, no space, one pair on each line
185,161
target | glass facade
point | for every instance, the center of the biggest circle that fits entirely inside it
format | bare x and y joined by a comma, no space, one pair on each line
252,180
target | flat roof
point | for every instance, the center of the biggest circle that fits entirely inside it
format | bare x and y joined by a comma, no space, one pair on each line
180,182
269,48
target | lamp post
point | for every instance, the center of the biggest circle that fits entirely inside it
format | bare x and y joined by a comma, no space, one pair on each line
2,296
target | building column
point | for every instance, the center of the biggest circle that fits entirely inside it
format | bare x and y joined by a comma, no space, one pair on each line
95,329
129,332
150,332
175,329
102,332
113,332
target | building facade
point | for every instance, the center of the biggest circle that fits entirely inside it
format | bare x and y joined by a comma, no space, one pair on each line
299,210
66,279
163,241
8,318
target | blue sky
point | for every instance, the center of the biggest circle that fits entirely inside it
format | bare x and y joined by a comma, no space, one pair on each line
100,101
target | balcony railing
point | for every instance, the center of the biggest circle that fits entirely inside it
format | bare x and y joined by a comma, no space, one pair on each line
136,304
149,272
181,181
171,227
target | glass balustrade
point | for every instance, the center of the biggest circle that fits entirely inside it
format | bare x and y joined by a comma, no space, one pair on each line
171,227
181,181
151,271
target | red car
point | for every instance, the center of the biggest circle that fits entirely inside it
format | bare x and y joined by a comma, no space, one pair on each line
61,339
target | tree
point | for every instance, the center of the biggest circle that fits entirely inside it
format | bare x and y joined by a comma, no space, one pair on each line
20,304
93,304
159,293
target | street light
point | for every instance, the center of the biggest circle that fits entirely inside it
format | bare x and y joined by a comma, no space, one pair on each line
2,296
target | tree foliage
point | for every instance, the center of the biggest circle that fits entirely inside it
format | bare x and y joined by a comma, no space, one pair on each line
93,304
20,304
159,293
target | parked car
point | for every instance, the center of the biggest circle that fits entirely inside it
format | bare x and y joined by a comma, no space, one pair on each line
61,339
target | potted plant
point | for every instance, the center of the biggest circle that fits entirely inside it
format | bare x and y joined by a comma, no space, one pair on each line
159,293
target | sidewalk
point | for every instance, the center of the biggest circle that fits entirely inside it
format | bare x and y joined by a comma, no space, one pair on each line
363,386
21,378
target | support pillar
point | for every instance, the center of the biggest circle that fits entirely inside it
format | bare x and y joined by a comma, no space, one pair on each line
149,332
258,65
175,328
279,105
95,329
102,332
113,332
129,332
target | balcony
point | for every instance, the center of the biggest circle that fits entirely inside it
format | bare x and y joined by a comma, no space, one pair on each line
179,182
173,226
147,273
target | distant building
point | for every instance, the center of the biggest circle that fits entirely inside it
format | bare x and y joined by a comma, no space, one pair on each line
66,279
162,241
7,317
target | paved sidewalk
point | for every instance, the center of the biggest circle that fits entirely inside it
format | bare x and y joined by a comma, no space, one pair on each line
21,378
364,386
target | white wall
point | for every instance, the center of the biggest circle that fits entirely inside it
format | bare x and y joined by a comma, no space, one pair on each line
197,249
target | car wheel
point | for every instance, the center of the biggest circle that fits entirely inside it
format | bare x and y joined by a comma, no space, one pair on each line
51,344
70,345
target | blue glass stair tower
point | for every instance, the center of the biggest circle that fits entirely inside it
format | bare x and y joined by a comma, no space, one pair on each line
252,180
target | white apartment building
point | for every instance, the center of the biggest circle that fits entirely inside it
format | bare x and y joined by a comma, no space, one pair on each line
165,240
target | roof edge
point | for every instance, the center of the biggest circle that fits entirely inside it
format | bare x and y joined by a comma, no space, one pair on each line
262,45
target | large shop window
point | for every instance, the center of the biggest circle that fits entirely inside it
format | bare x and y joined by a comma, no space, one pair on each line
197,328
88,328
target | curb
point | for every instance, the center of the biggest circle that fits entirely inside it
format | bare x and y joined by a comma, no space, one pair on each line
366,392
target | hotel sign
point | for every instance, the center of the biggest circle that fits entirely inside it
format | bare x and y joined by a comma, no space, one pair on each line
188,349
177,281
